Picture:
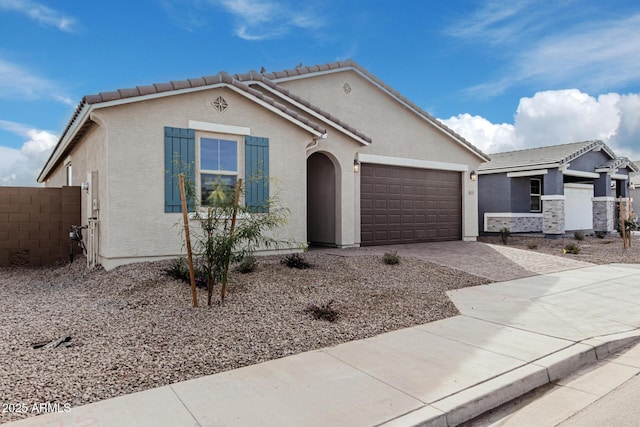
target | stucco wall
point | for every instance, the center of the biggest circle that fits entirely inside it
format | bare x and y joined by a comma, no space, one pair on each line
395,130
137,225
88,156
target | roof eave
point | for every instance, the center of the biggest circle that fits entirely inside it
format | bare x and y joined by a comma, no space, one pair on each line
516,168
65,140
351,65
315,114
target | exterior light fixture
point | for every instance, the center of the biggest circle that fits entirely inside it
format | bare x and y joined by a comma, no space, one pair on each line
473,176
356,166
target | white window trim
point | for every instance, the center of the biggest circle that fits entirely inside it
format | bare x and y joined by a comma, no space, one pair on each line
527,173
535,194
219,128
199,171
68,171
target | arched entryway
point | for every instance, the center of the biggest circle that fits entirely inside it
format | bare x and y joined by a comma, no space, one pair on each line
321,200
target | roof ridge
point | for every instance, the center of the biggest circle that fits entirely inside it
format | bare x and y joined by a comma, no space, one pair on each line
546,147
350,63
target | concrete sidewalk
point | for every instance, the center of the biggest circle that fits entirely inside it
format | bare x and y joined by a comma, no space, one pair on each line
510,338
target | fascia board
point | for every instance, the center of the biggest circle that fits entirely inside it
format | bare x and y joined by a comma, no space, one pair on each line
64,142
311,112
433,122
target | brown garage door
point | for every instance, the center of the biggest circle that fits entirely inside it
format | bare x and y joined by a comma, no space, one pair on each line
408,205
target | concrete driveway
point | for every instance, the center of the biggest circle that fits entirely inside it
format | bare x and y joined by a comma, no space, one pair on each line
495,262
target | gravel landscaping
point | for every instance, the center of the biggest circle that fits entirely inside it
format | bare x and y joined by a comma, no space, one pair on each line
133,328
608,250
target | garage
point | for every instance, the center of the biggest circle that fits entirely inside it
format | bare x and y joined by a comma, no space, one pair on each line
578,207
409,205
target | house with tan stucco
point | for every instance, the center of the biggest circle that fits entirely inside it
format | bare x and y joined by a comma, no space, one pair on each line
355,162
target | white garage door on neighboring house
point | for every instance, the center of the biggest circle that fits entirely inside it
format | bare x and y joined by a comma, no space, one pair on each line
578,207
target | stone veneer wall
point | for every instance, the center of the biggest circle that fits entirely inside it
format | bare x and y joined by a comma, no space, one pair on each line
603,214
553,214
516,224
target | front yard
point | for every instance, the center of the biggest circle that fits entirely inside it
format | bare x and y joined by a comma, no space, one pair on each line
133,328
607,250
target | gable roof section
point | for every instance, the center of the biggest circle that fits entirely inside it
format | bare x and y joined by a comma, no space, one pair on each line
542,157
349,64
253,78
80,121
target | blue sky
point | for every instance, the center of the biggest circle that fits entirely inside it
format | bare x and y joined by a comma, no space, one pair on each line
505,74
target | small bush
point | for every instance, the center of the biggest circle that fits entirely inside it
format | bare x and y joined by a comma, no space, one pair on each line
571,249
391,258
179,270
600,234
248,264
295,261
578,235
505,233
532,244
322,312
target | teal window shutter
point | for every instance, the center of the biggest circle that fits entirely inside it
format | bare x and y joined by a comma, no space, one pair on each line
256,171
179,148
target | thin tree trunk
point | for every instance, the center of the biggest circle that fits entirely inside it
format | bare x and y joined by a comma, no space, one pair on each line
223,288
185,217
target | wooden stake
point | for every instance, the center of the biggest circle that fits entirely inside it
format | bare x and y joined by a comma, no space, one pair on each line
236,198
629,218
185,217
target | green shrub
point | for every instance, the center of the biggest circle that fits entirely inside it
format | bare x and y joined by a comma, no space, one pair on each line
322,312
504,235
601,234
248,264
571,248
295,261
578,235
179,270
391,258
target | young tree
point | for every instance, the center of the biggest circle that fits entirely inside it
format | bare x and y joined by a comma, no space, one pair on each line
227,230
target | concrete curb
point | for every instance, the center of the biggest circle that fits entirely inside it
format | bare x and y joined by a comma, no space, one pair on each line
480,398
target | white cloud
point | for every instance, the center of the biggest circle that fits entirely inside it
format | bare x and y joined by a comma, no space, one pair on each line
21,167
546,46
18,82
268,19
487,136
254,19
559,117
41,14
592,56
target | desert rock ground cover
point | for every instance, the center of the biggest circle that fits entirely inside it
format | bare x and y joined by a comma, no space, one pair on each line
133,328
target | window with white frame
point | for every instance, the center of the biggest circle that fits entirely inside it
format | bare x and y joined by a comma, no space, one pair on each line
536,194
218,166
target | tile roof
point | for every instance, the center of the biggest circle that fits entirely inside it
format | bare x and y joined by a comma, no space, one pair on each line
244,83
541,156
220,78
350,64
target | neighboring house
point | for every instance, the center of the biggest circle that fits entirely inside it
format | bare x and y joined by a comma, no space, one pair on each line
355,162
553,189
635,190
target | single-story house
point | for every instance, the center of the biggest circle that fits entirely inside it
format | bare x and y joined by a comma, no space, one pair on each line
553,189
354,161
